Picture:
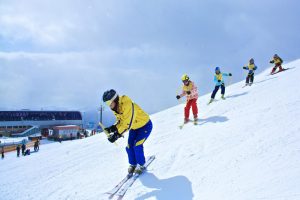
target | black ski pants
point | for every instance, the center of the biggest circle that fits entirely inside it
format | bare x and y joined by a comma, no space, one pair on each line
250,78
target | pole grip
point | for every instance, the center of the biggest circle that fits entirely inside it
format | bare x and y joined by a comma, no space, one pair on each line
106,133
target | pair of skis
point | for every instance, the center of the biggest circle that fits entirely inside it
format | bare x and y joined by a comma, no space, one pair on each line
247,84
121,188
214,100
280,71
194,121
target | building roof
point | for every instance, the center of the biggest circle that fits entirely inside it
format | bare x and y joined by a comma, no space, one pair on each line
66,127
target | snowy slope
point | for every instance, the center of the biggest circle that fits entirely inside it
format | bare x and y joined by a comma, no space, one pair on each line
246,147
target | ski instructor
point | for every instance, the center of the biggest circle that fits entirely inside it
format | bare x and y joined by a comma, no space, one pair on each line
129,117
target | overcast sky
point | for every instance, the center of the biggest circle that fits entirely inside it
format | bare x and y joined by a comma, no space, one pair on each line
66,53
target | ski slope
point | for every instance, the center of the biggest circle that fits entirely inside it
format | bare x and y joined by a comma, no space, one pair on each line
244,148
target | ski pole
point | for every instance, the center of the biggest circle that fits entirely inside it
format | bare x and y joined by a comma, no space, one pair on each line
244,73
106,133
230,80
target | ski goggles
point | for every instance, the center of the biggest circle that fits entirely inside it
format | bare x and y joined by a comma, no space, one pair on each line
109,102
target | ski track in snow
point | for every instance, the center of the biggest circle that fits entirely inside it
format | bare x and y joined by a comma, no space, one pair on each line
245,147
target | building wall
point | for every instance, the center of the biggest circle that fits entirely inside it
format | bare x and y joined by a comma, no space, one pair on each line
9,127
67,133
41,124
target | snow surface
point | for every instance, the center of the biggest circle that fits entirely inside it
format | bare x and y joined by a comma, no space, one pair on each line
244,148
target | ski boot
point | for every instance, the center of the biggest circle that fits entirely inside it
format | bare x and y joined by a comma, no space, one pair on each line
250,84
210,101
222,97
273,70
186,120
131,169
281,69
195,120
139,169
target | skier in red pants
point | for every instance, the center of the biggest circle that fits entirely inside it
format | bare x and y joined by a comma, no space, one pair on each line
189,90
277,61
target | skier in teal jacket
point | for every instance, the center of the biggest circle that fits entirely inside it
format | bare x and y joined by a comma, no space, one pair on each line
219,81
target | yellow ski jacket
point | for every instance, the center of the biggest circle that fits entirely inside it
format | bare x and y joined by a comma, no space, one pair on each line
129,115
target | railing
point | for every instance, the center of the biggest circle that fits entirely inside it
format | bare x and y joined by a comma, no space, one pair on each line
28,132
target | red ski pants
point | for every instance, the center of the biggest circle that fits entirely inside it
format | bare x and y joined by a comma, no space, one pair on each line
191,103
275,67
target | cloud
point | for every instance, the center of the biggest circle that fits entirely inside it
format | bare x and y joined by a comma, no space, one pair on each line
67,53
74,79
19,27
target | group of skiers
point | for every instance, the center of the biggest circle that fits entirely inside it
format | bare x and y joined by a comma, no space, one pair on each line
130,117
189,88
25,151
22,148
251,67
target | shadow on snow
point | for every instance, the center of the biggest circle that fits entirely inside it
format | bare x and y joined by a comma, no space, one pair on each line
177,187
257,82
236,95
213,119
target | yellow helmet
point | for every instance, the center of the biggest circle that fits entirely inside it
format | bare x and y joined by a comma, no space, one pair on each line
185,77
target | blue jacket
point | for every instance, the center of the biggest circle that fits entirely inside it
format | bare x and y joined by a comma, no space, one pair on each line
219,77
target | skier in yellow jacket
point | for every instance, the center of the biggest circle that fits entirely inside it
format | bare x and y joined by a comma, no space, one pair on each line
251,67
130,117
277,61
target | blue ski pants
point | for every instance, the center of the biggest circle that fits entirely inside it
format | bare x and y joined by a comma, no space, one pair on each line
135,148
216,90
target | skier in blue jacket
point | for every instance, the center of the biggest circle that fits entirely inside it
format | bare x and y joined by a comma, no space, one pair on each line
219,81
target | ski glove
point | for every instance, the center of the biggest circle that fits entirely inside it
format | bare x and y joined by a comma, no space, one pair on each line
229,74
219,81
244,67
178,97
188,92
272,61
113,137
111,129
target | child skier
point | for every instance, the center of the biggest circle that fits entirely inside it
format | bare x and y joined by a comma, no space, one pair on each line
251,67
277,61
2,153
130,117
189,89
218,79
18,150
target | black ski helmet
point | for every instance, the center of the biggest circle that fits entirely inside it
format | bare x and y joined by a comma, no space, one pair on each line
109,95
251,61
